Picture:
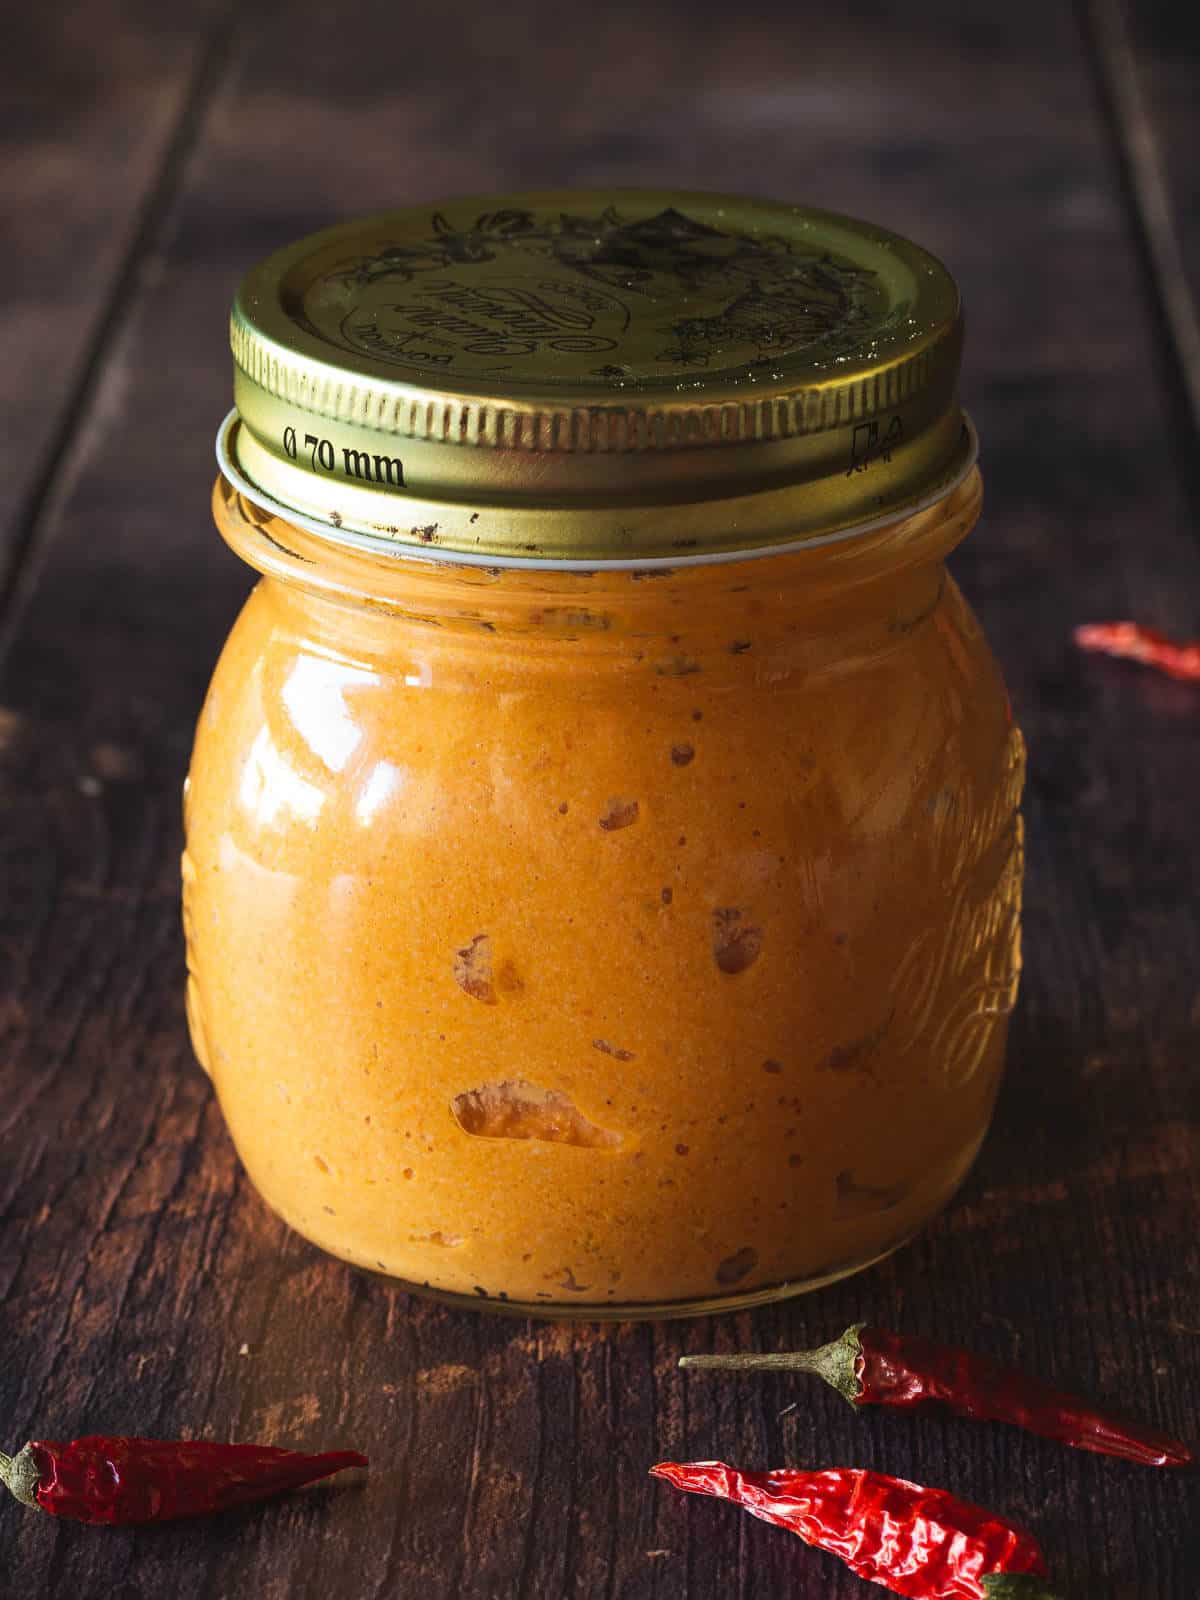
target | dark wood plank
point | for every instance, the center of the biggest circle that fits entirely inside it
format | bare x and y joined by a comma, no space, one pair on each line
1164,37
143,1286
93,99
1146,59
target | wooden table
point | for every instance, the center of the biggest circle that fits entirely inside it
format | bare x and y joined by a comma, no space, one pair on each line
151,153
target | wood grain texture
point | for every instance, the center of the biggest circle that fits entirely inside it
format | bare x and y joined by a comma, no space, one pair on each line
1145,59
93,101
143,1287
1164,37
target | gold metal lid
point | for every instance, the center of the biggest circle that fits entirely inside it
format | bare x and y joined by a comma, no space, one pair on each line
590,376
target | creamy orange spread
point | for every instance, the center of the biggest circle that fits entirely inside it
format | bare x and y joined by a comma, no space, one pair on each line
615,940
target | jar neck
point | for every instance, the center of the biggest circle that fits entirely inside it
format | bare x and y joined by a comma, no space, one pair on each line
891,575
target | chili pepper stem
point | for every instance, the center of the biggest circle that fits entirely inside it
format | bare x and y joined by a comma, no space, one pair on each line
1016,1586
837,1363
20,1475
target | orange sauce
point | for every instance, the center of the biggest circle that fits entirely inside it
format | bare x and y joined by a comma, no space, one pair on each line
621,942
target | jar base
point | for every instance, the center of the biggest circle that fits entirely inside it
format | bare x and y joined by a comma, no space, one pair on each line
645,1311
662,1310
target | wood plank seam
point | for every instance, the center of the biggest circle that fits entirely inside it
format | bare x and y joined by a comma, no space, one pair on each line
1110,49
52,482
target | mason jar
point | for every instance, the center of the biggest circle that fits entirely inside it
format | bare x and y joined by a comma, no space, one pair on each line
603,862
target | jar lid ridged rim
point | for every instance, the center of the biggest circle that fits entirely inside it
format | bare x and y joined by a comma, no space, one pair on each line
384,545
584,375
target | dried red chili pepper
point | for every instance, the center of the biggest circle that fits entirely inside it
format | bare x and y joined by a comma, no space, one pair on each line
1133,642
919,1542
872,1367
115,1481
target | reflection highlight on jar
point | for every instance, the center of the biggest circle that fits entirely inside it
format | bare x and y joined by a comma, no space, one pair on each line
383,783
272,790
314,697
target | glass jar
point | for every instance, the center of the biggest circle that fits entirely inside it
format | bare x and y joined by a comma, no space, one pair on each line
602,882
